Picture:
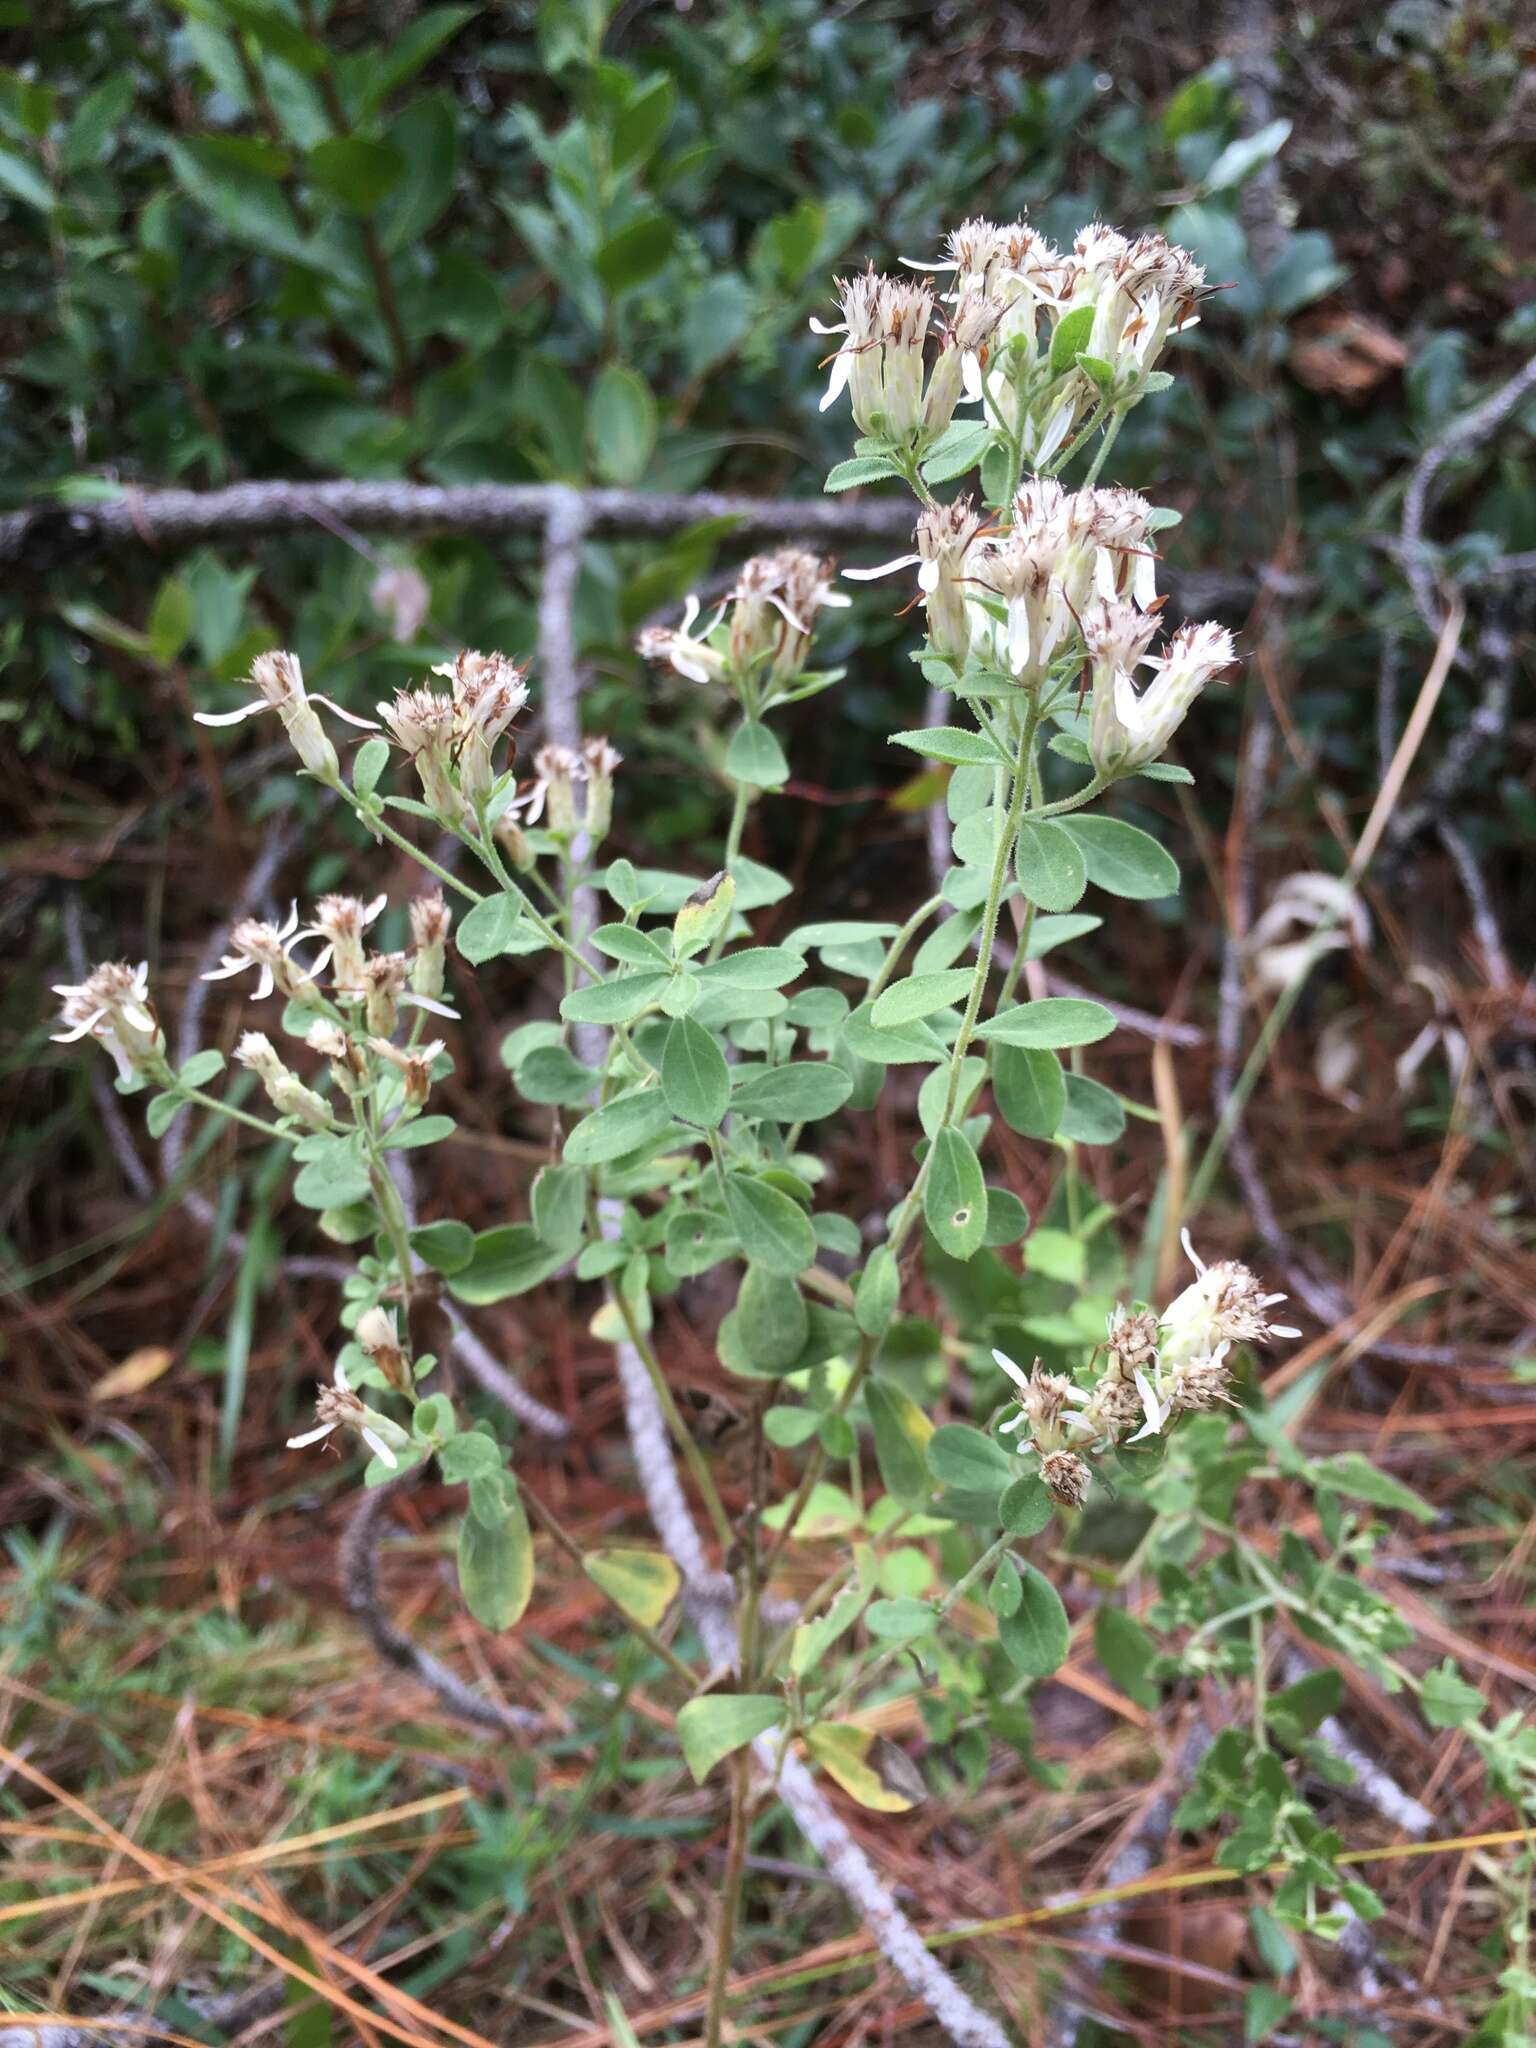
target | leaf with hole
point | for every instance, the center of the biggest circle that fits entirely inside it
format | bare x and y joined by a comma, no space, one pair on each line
955,1194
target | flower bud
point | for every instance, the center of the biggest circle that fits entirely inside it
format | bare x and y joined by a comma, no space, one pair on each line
600,761
706,913
286,1092
1067,1476
378,1336
348,1066
341,922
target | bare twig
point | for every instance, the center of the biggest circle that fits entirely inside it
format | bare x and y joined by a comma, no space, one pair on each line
1459,438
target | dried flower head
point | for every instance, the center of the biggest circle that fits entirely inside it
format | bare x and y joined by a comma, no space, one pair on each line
1067,1476
413,1063
112,1005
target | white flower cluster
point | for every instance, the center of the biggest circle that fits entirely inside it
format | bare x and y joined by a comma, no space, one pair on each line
1071,578
1010,293
451,737
768,618
1156,1367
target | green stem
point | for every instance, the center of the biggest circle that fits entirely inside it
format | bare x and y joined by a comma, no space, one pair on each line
952,1598
1104,447
376,822
239,1116
730,1901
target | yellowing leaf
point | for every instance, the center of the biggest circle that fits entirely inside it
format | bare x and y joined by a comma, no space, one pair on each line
866,1767
140,1369
643,1582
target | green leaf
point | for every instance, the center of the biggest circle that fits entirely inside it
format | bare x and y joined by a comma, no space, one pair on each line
920,995
1052,1021
963,1458
1050,866
1030,1089
618,1128
1070,338
1299,1710
771,1320
644,1583
421,1130
621,424
638,131
496,1567
1265,2007
201,1068
628,943
613,1002
694,1076
549,1074
1123,859
635,253
1245,154
369,763
900,1620
716,319
447,1247
359,174
334,1179
902,1435
1006,1591
958,449
710,1729
1093,1114
1036,1637
697,1239
755,757
1447,1700
1007,1218
559,1205
877,1292
773,1230
505,1261
171,619
426,137
955,1195
756,967
161,1114
951,743
861,469
800,1092
1127,1652
1352,1473
237,186
489,929
1026,1505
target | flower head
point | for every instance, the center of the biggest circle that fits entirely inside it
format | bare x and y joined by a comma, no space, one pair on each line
379,1337
341,922
279,682
113,1005
1127,729
947,545
266,947
774,605
338,1407
881,360
413,1063
695,658
1067,1476
1224,1304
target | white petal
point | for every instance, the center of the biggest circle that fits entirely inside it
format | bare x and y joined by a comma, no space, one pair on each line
836,381
339,1378
928,578
690,612
1015,1422
1190,1253
430,1003
367,724
1282,1330
380,1449
885,569
1018,632
1016,1373
230,966
310,1436
229,717
290,923
371,910
78,1030
1055,433
821,327
264,983
835,600
685,665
